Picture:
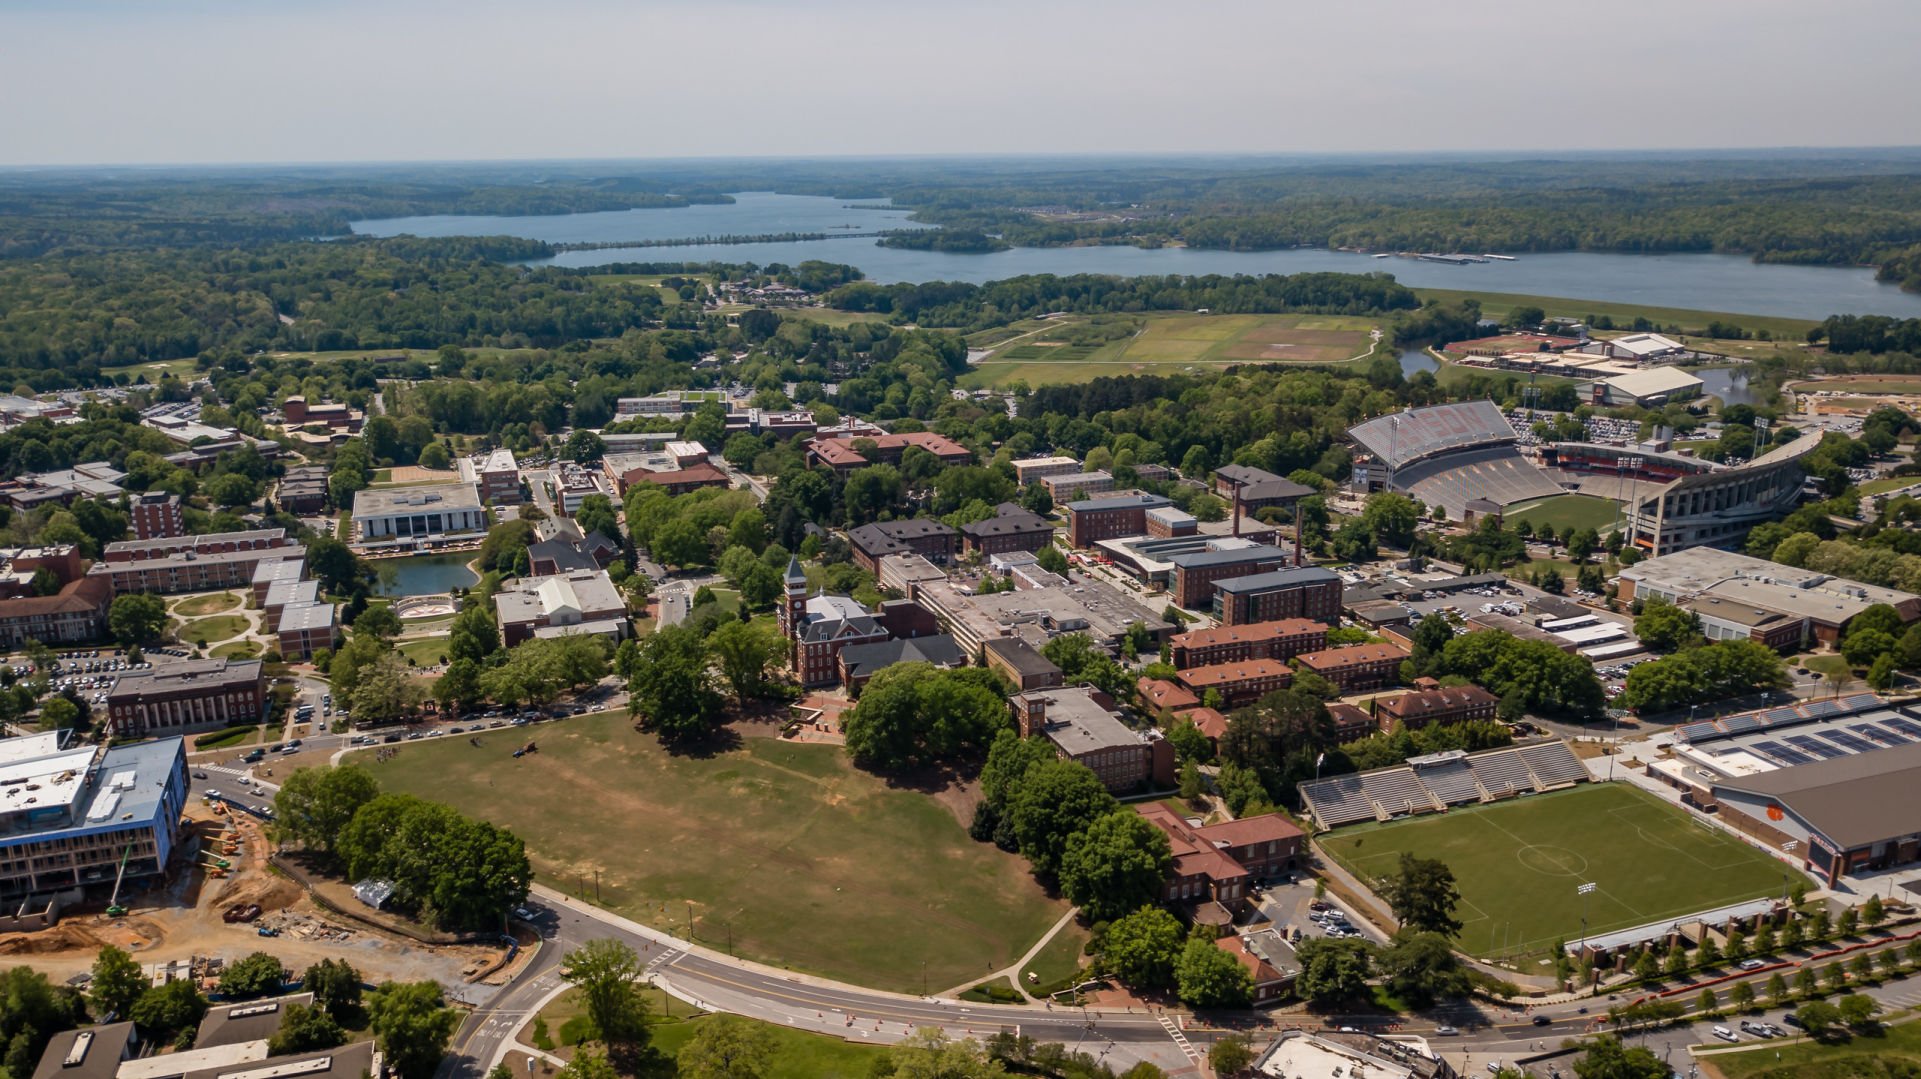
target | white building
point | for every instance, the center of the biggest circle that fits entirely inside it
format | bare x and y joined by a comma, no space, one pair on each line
415,512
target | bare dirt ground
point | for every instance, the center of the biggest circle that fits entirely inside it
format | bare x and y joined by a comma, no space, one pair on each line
182,918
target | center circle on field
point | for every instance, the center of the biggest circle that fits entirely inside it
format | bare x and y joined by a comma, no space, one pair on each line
1551,860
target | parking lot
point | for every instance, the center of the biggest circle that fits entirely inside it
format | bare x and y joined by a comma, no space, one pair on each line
1292,906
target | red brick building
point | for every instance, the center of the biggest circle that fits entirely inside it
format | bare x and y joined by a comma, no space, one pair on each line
1442,704
1300,592
1216,863
1095,519
680,482
1351,723
936,541
1164,696
194,694
1012,528
1283,639
156,515
839,453
1238,683
1193,576
1357,667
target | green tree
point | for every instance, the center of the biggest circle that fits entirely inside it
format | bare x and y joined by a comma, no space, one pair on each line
1707,1003
305,1029
585,448
256,975
1333,971
473,635
1052,560
912,714
608,975
726,1047
1119,863
411,1026
59,714
378,620
672,690
117,982
137,618
332,563
1858,1010
165,1010
1664,627
1422,895
1421,968
1608,1058
1053,801
335,986
1141,948
1818,1018
1205,976
1230,1056
596,514
746,653
1777,989
679,543
1741,997
1872,912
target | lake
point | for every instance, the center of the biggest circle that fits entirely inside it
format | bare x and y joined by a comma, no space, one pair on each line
1703,282
423,574
1730,384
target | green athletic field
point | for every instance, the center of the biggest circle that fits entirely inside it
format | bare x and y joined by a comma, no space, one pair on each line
1564,512
1518,864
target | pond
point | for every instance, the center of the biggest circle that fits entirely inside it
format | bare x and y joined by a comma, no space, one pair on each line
423,574
1730,384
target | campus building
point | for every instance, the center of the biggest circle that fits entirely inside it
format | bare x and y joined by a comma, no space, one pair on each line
75,614
495,474
156,515
1844,815
1091,520
933,540
70,817
1012,528
303,490
1194,574
431,511
1301,592
1281,639
1743,598
818,627
837,452
305,628
1217,863
1084,725
1067,486
565,604
268,574
1239,682
1034,469
1020,664
1441,704
1037,614
188,695
861,662
1356,667
191,563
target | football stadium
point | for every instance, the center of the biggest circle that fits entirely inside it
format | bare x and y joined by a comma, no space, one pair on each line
1448,456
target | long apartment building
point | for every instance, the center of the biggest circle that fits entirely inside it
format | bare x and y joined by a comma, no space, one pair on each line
1094,519
1302,592
190,695
192,563
1357,667
70,817
1194,574
1281,639
75,614
1083,725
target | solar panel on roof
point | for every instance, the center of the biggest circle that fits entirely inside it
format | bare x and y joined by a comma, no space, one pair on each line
1820,708
1850,741
1814,746
1782,753
1780,715
1893,735
1699,732
1877,734
1741,724
1906,726
1860,701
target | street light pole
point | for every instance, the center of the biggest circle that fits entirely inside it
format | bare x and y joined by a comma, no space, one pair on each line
1583,891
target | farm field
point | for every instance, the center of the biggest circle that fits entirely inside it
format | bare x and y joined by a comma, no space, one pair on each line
1080,348
1517,864
1567,511
810,863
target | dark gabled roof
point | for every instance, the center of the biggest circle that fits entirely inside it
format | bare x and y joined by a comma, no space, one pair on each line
1280,578
1245,474
885,537
1008,523
1265,552
1278,489
562,554
1855,800
862,660
1020,655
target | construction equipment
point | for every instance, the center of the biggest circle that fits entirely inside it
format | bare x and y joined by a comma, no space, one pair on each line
114,909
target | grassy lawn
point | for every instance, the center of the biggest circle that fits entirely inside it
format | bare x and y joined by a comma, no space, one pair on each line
154,371
235,650
1567,511
1517,864
425,651
1861,384
1057,962
195,606
1498,304
217,628
828,316
1045,352
1894,1050
811,864
1892,483
673,1023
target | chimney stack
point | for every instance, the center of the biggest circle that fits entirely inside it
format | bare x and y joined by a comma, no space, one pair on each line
1297,534
1237,509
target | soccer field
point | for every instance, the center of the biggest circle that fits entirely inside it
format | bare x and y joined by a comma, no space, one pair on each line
1566,512
1518,864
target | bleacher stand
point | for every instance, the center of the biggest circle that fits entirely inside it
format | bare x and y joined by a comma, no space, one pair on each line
1433,784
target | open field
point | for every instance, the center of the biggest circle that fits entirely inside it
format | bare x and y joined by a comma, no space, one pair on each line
810,863
1893,1050
1498,304
1518,863
1859,384
235,650
1567,511
154,370
1065,350
424,651
828,316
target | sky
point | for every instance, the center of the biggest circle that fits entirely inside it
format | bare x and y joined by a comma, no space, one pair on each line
224,81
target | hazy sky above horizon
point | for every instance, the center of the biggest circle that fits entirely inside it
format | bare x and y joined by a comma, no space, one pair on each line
189,81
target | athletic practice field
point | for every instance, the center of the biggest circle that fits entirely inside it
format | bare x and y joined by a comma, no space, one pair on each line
1564,512
1518,864
1079,348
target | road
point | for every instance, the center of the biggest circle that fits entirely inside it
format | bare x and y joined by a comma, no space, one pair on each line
714,981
